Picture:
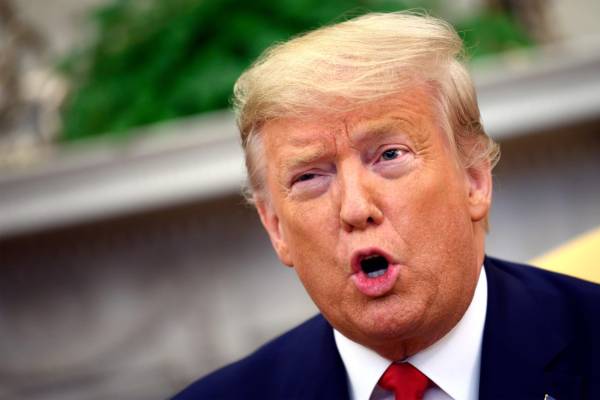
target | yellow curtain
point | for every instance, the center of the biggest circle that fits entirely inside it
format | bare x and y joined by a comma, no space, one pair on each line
579,257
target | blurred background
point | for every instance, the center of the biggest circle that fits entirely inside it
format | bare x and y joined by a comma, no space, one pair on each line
129,264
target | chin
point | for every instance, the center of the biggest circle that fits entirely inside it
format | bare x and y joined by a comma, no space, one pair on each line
381,322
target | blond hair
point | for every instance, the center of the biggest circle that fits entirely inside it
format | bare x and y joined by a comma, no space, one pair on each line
340,67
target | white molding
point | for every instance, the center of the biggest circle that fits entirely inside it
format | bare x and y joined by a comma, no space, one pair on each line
529,92
200,158
192,160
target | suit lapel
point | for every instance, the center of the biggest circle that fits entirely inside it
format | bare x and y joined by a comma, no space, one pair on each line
525,332
314,369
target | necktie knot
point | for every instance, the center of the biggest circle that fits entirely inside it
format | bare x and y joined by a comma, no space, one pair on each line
407,382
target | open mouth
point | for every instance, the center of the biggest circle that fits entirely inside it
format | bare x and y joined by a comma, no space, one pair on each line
375,272
374,265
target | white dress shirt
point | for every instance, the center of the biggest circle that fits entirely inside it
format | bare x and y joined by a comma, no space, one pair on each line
452,363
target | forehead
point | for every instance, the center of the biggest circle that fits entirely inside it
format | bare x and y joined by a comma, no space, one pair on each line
413,113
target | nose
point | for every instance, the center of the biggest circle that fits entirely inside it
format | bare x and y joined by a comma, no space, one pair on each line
358,210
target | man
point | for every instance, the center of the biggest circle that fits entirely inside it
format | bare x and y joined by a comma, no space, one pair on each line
371,173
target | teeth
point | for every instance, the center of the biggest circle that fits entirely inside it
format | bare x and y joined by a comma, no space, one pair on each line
374,265
375,274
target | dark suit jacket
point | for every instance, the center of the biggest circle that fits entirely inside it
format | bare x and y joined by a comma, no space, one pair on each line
541,336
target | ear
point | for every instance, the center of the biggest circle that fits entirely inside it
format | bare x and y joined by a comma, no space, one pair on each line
479,179
270,222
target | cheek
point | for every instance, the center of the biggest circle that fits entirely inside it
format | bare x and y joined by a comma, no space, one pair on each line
442,238
310,230
310,221
312,235
430,213
321,276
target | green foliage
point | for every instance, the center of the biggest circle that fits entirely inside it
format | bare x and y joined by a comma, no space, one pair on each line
491,32
155,60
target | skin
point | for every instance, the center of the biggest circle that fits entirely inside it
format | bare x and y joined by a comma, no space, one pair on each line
382,176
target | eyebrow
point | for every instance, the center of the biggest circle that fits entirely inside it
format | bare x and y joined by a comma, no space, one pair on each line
387,127
307,155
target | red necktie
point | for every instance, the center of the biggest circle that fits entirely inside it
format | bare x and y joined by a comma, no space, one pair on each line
407,382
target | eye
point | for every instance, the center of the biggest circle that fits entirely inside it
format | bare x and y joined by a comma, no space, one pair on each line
309,184
393,162
310,178
391,154
305,177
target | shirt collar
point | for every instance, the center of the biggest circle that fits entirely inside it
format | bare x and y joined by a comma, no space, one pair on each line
453,362
363,366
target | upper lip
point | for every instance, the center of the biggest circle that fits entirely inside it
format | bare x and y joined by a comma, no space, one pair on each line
358,255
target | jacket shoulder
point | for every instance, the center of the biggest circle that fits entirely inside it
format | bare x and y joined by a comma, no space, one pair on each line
269,371
547,281
579,300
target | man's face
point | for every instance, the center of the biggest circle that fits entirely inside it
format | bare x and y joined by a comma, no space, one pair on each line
379,220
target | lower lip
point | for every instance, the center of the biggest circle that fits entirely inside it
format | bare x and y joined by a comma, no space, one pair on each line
379,286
